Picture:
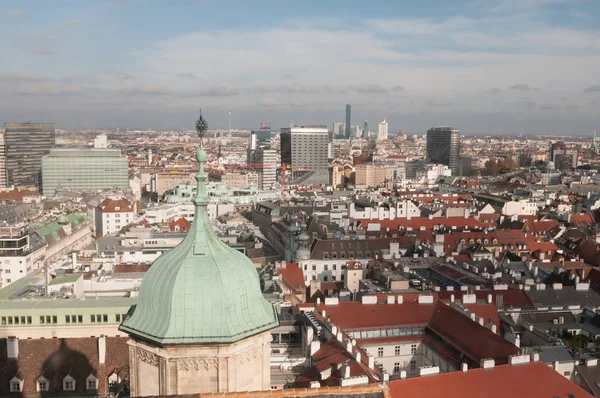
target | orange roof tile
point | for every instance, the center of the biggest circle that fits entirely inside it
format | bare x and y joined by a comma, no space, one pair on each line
531,381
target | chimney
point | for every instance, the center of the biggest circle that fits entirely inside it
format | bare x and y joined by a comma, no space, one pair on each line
324,313
339,337
102,349
314,347
464,367
489,299
371,362
488,363
494,328
349,346
536,357
591,362
12,347
334,330
403,375
357,356
452,298
400,299
390,299
346,371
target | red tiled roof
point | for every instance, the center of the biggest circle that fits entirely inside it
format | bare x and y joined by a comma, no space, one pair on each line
475,341
350,315
17,195
535,380
542,246
111,205
292,277
582,220
56,358
542,226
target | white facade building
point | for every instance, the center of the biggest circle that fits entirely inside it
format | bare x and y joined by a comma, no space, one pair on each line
382,133
519,208
111,215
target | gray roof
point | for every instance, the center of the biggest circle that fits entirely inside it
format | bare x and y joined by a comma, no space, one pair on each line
552,354
566,296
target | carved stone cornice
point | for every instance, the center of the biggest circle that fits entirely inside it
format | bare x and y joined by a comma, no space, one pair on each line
187,364
148,357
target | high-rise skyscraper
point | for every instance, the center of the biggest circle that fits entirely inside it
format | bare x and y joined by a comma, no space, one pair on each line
306,150
366,130
26,143
443,147
382,133
2,162
262,158
348,120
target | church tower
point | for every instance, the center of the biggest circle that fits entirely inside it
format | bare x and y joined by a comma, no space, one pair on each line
201,324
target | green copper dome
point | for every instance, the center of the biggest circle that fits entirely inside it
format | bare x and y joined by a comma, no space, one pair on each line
202,291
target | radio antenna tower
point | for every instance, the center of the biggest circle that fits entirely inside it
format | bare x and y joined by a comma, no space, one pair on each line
229,121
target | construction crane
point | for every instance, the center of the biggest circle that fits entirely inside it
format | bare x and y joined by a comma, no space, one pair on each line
281,167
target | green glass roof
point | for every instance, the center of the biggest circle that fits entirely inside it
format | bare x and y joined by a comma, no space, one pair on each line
202,291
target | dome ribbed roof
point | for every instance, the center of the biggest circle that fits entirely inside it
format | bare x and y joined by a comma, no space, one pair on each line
202,291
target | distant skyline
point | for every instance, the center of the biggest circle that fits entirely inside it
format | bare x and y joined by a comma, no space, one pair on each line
484,66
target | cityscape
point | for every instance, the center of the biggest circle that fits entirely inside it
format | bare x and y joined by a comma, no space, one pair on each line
200,218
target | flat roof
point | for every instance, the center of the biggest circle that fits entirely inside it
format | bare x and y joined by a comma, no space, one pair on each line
14,287
66,278
83,303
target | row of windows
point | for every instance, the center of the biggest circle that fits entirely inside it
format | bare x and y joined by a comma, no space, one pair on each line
373,334
412,365
16,320
53,319
397,350
42,384
325,267
343,255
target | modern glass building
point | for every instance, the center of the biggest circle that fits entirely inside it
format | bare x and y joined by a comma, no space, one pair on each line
305,149
443,147
25,144
348,120
84,170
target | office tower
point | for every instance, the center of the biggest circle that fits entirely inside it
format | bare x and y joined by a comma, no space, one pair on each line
88,170
2,162
348,120
443,147
101,141
339,129
562,157
262,158
382,133
366,130
306,149
26,143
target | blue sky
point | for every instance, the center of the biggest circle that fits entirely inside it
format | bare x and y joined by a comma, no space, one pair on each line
486,66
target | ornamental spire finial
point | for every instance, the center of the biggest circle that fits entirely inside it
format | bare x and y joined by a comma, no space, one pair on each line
201,126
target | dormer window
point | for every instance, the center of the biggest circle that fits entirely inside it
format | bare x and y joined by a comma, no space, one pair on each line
16,384
334,255
325,255
91,383
68,383
42,384
495,241
359,255
117,208
485,241
343,255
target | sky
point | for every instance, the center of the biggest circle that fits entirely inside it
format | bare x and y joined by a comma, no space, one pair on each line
484,66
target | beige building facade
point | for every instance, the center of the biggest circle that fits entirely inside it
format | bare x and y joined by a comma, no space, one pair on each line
192,369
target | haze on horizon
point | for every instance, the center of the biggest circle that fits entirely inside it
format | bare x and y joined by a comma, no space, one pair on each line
484,66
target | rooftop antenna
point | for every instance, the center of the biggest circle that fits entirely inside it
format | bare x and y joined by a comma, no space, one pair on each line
229,121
